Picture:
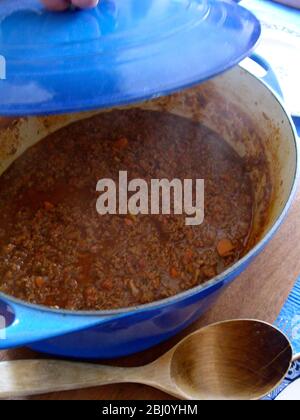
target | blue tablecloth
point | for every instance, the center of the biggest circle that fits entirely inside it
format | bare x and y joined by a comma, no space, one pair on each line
289,322
289,318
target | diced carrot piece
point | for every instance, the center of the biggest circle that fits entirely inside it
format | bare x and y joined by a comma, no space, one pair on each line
122,143
129,222
48,206
40,281
174,273
225,247
107,285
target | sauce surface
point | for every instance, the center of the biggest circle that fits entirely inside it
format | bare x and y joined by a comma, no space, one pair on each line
56,250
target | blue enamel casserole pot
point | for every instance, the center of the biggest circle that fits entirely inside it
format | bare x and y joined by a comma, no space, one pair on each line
251,117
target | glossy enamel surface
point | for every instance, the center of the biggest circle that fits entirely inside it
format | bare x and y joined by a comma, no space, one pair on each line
230,104
118,53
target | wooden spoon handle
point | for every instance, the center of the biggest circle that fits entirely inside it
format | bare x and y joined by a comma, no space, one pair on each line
33,377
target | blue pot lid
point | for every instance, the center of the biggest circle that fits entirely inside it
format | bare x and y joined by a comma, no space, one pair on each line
121,52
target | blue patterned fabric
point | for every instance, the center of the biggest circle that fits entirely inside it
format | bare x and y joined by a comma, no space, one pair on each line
289,322
289,318
294,374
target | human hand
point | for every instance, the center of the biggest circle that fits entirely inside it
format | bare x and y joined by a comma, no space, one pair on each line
60,5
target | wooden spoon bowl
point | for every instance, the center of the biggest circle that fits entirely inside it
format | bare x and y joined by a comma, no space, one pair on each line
233,360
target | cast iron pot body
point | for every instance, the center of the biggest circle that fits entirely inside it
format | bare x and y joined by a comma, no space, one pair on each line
253,120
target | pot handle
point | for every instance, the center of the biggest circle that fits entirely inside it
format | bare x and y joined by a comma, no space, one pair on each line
23,325
270,78
297,124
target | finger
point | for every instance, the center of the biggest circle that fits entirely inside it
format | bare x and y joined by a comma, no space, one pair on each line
57,5
85,4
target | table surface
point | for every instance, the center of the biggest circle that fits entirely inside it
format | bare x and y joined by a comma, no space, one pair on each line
260,292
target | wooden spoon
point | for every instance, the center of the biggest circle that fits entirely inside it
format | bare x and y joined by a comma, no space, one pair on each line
233,360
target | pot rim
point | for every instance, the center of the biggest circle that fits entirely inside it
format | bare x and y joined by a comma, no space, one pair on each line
216,281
